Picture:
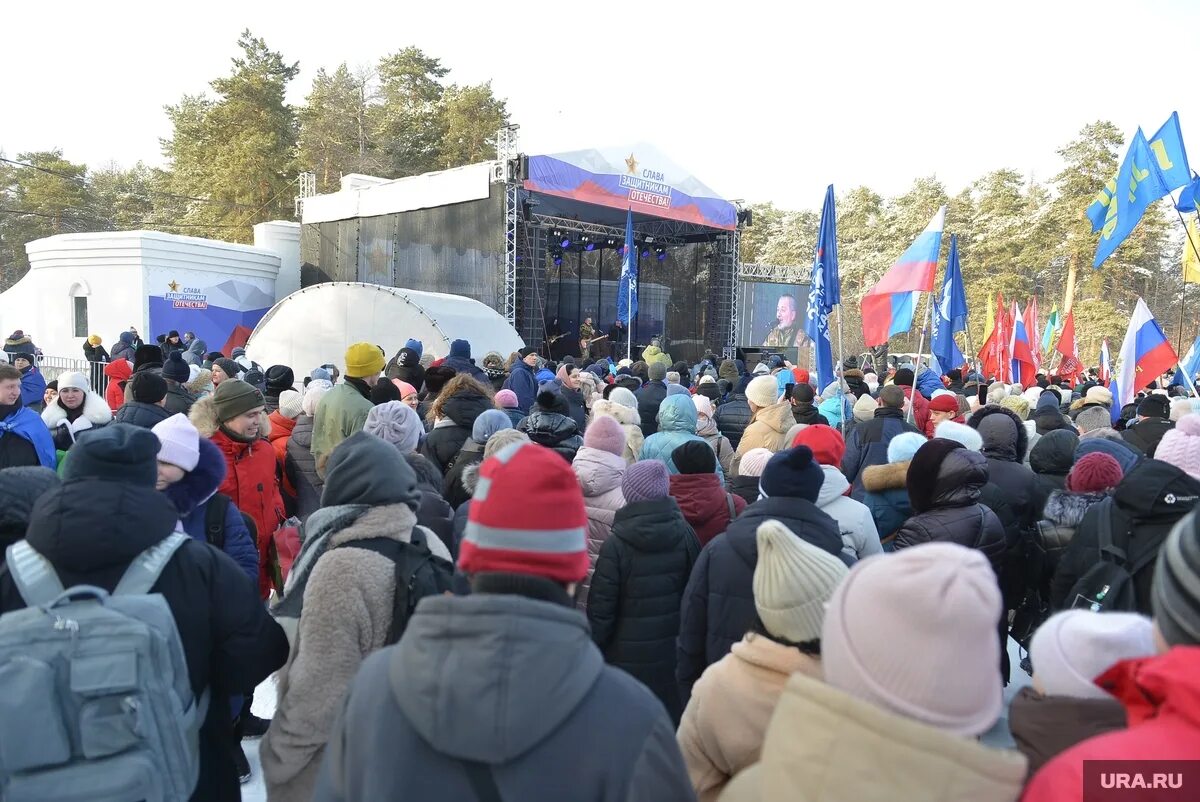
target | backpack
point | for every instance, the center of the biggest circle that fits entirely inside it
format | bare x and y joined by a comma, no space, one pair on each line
97,701
1108,584
214,521
418,574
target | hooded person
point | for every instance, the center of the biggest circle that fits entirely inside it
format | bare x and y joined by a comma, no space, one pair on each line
650,396
194,355
886,487
406,366
346,583
76,410
1151,497
722,728
24,438
733,415
570,386
860,538
622,406
20,488
105,514
493,366
235,419
718,607
550,424
19,343
770,419
804,409
515,636
706,427
299,465
1158,692
190,469
908,653
452,417
460,360
640,576
487,424
117,374
600,467
1064,706
918,400
124,348
677,419
867,444
344,409
146,400
700,493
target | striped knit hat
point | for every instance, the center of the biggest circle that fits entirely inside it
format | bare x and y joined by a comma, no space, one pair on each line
526,517
1176,589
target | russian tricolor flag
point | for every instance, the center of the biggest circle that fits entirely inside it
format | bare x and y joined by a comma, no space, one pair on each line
888,307
1024,369
1145,355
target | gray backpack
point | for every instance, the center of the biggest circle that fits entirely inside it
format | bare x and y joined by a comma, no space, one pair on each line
96,703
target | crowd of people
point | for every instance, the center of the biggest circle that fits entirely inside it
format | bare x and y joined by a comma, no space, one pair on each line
522,579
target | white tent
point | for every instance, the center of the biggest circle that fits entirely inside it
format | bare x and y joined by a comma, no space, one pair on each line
313,326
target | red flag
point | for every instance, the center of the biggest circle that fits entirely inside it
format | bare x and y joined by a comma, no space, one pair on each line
1035,334
994,355
1070,366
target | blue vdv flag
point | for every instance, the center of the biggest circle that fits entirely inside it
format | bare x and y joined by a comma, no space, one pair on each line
1140,183
1169,155
1190,365
951,314
627,289
1187,198
825,292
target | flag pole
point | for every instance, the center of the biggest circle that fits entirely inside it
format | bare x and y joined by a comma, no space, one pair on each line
920,349
628,319
842,366
1196,252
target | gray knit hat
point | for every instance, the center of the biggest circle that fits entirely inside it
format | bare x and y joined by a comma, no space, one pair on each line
1176,595
1092,418
792,582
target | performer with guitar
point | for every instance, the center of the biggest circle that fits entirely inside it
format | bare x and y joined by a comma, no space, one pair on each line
587,336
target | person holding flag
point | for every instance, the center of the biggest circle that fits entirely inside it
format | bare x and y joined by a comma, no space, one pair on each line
824,294
950,316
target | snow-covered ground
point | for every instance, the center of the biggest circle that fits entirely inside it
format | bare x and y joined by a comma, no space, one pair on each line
264,705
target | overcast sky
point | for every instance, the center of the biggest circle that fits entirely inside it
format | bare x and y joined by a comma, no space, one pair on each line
760,100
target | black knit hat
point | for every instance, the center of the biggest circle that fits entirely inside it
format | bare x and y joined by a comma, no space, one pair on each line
279,378
1154,406
904,377
384,392
694,456
1175,599
792,474
147,387
235,397
176,369
147,356
549,401
436,378
118,452
228,367
803,391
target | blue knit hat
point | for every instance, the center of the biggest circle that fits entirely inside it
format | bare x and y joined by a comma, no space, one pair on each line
488,423
460,349
1125,456
417,346
792,474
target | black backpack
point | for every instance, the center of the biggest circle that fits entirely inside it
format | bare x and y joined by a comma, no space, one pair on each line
418,574
214,521
1108,585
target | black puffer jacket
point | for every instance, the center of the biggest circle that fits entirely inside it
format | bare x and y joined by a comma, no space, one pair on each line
553,430
1151,498
452,486
139,413
301,468
434,513
1050,460
1011,484
744,486
179,400
804,412
633,604
948,509
90,530
733,417
718,607
649,397
446,438
1061,517
1145,435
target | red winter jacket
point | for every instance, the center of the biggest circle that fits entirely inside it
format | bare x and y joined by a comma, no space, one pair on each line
251,482
1161,696
118,373
702,499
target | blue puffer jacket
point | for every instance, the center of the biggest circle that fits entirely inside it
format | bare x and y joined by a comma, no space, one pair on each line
676,425
929,382
522,382
191,496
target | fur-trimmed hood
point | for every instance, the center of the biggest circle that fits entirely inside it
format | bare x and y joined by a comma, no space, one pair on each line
201,483
891,476
1009,450
621,413
95,409
1064,508
204,417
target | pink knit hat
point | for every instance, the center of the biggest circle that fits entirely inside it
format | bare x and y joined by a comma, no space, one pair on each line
703,405
507,399
915,633
405,388
1181,446
605,434
754,462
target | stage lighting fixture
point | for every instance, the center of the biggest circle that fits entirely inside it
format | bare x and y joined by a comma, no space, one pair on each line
588,244
645,252
610,242
556,255
660,253
566,242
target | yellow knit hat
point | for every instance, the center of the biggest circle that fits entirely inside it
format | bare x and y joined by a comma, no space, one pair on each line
94,340
363,359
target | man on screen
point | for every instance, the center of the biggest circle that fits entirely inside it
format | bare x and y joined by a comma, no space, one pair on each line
788,331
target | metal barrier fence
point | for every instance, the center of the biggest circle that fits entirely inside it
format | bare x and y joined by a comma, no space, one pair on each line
54,366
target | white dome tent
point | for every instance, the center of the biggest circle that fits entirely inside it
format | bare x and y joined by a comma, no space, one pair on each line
313,326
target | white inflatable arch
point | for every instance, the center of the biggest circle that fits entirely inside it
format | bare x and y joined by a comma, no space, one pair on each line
313,326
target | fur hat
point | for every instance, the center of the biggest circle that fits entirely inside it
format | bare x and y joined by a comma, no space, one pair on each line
279,378
179,442
793,581
1094,473
605,434
235,397
959,433
527,517
792,474
147,355
647,480
1074,647
1099,394
1154,405
148,387
914,633
763,391
1181,446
